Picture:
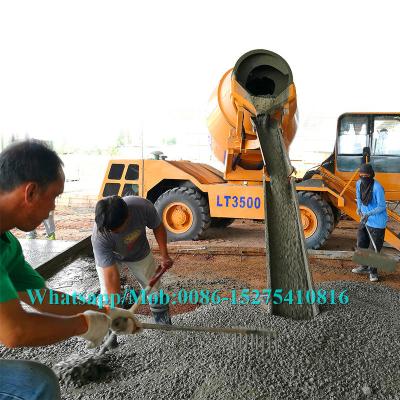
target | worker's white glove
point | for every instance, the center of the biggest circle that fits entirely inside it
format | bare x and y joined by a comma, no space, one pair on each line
358,212
123,321
98,326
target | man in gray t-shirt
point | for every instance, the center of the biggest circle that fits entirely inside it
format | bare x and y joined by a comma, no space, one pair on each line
119,238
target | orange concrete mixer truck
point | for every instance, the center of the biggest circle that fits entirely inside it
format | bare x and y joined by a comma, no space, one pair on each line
191,197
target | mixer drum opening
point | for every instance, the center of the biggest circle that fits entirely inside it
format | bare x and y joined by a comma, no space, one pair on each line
263,73
258,82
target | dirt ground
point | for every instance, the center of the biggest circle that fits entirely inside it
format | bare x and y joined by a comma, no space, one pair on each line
76,223
206,271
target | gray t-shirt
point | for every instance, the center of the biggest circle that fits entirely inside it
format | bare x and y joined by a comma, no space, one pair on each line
132,243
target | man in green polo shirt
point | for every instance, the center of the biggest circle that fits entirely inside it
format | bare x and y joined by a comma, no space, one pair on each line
31,177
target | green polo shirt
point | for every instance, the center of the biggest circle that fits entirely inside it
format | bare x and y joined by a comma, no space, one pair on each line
15,273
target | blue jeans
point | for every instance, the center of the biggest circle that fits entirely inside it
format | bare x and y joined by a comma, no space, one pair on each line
27,380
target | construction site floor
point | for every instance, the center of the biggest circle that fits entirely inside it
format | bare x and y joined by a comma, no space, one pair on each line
38,251
348,351
76,223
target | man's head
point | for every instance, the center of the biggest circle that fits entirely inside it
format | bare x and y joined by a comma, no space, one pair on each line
366,171
31,177
111,214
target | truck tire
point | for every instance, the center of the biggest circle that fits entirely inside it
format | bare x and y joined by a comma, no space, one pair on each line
317,218
221,222
184,212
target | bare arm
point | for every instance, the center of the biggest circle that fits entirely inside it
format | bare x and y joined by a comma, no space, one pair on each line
21,328
161,236
111,279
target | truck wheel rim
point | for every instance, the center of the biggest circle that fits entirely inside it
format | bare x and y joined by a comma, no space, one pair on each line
177,217
309,221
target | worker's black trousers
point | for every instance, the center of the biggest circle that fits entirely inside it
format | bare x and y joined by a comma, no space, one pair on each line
364,242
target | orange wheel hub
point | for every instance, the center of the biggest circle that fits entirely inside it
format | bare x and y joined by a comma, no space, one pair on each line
309,221
177,217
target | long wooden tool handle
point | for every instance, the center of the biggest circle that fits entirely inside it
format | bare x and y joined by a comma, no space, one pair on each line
372,240
241,331
148,288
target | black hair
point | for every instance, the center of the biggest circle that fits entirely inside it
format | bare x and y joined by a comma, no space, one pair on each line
28,161
111,212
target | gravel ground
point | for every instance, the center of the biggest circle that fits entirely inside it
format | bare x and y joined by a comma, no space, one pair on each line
347,352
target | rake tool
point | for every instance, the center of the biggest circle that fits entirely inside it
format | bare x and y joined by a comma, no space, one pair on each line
111,341
373,258
257,336
81,370
78,370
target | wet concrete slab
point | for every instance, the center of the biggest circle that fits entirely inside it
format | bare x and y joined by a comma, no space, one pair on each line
37,252
78,277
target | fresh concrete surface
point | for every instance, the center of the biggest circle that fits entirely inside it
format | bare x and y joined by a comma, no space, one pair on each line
38,251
